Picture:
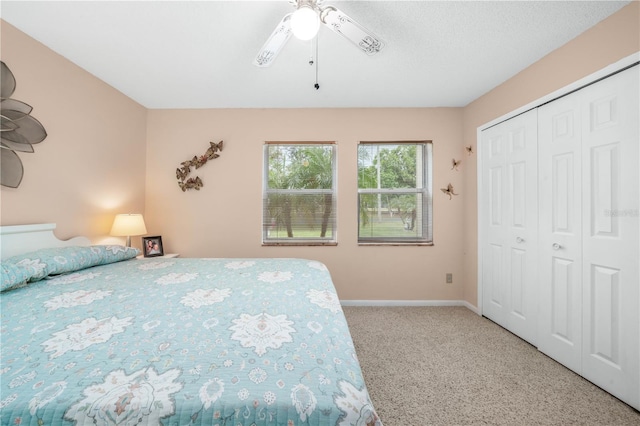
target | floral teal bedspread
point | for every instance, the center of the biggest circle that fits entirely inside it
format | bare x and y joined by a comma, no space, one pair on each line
181,342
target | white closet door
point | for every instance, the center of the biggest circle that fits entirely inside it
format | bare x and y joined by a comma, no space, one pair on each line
494,141
560,230
560,238
510,224
589,233
611,247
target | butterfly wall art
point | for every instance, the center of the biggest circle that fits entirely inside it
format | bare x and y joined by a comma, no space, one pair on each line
184,170
449,191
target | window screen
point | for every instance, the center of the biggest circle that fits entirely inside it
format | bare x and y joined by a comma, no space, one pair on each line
394,192
299,194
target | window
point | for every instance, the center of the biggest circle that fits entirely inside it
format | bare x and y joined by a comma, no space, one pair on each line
299,195
394,193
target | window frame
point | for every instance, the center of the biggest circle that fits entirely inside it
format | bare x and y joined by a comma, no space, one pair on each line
333,222
426,192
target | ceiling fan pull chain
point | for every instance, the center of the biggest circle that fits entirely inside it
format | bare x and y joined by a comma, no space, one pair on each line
312,53
317,86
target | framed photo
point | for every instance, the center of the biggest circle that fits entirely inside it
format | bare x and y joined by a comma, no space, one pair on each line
152,246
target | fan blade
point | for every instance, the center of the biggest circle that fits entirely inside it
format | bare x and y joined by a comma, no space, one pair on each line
342,24
275,43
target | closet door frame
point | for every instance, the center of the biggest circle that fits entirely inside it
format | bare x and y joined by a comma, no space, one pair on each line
592,78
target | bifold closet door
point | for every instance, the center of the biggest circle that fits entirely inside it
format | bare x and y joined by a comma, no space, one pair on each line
589,233
611,234
509,252
560,236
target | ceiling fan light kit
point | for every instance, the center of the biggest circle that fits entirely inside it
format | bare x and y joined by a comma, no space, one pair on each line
305,23
306,19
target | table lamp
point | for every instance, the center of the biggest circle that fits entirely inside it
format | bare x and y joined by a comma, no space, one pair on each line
126,225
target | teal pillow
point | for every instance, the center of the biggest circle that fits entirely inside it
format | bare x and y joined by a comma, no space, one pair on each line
60,260
13,275
111,254
37,269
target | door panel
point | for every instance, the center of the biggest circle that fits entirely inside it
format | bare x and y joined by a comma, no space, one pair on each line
563,193
560,245
518,195
518,279
493,258
605,190
510,224
495,197
495,279
611,234
604,334
563,319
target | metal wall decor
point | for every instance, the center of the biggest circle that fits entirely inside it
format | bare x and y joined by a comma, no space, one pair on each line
469,149
448,190
19,130
455,163
197,162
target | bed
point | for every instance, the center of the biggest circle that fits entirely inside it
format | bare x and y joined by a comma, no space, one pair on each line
92,335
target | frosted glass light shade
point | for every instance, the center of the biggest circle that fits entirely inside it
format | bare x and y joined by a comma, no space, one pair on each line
126,225
305,23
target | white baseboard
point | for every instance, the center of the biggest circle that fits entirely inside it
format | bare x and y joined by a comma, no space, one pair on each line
405,303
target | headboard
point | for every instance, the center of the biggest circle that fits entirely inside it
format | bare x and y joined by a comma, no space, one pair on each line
20,239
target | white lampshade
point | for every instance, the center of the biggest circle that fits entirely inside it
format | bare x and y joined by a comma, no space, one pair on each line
126,225
305,23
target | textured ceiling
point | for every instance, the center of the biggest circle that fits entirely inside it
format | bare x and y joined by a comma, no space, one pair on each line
198,54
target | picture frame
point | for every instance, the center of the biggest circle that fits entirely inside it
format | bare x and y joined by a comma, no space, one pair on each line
152,246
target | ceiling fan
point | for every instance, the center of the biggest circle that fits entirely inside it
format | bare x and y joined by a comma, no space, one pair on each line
305,21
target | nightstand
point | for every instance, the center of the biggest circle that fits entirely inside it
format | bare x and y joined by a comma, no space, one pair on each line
166,256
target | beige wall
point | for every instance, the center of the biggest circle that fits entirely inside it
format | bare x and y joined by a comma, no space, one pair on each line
607,42
92,163
224,218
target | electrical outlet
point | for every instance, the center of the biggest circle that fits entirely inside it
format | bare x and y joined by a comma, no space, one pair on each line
449,278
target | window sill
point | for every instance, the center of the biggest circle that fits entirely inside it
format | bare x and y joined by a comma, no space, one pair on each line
394,244
310,244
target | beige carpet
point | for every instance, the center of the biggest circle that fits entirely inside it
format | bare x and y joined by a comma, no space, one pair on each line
449,366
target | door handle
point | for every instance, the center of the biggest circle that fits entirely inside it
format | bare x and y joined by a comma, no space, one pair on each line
519,240
556,246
